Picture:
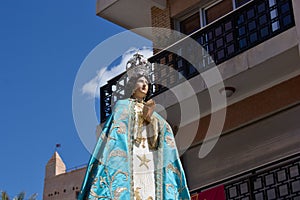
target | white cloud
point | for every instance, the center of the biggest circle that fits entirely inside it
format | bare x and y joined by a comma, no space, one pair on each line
91,88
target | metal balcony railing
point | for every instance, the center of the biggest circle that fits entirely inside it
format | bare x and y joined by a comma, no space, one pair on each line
276,180
240,30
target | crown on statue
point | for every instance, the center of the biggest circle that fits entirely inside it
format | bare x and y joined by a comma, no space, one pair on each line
138,66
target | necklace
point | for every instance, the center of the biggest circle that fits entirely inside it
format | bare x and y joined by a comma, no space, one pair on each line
137,100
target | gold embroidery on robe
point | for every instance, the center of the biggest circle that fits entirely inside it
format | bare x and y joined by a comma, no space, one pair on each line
178,173
173,187
169,128
115,153
137,194
144,160
102,181
97,196
170,141
108,183
117,193
122,128
168,186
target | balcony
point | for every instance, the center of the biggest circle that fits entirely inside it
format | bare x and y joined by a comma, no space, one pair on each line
258,38
124,12
277,179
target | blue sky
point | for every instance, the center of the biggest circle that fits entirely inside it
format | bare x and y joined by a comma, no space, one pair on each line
42,45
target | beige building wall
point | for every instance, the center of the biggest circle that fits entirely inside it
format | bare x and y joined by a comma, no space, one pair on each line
59,184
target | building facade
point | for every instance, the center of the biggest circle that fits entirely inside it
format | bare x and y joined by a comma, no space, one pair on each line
255,46
60,184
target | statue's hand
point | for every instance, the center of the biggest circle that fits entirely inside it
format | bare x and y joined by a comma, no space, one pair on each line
148,110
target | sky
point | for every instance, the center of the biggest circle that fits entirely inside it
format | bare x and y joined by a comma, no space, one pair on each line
42,46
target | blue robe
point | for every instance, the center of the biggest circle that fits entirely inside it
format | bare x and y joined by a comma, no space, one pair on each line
109,173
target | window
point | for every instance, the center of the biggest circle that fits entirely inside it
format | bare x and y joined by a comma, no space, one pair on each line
207,14
217,10
190,24
77,194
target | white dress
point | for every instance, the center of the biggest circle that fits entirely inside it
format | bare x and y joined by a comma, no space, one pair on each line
143,160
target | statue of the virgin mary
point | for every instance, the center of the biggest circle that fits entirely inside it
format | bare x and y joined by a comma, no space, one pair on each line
135,156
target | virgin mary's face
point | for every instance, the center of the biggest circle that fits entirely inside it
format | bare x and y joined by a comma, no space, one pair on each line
141,88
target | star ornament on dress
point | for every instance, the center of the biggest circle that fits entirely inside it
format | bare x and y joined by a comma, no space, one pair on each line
138,66
144,160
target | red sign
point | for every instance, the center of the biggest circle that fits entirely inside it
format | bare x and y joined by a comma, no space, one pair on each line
216,193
